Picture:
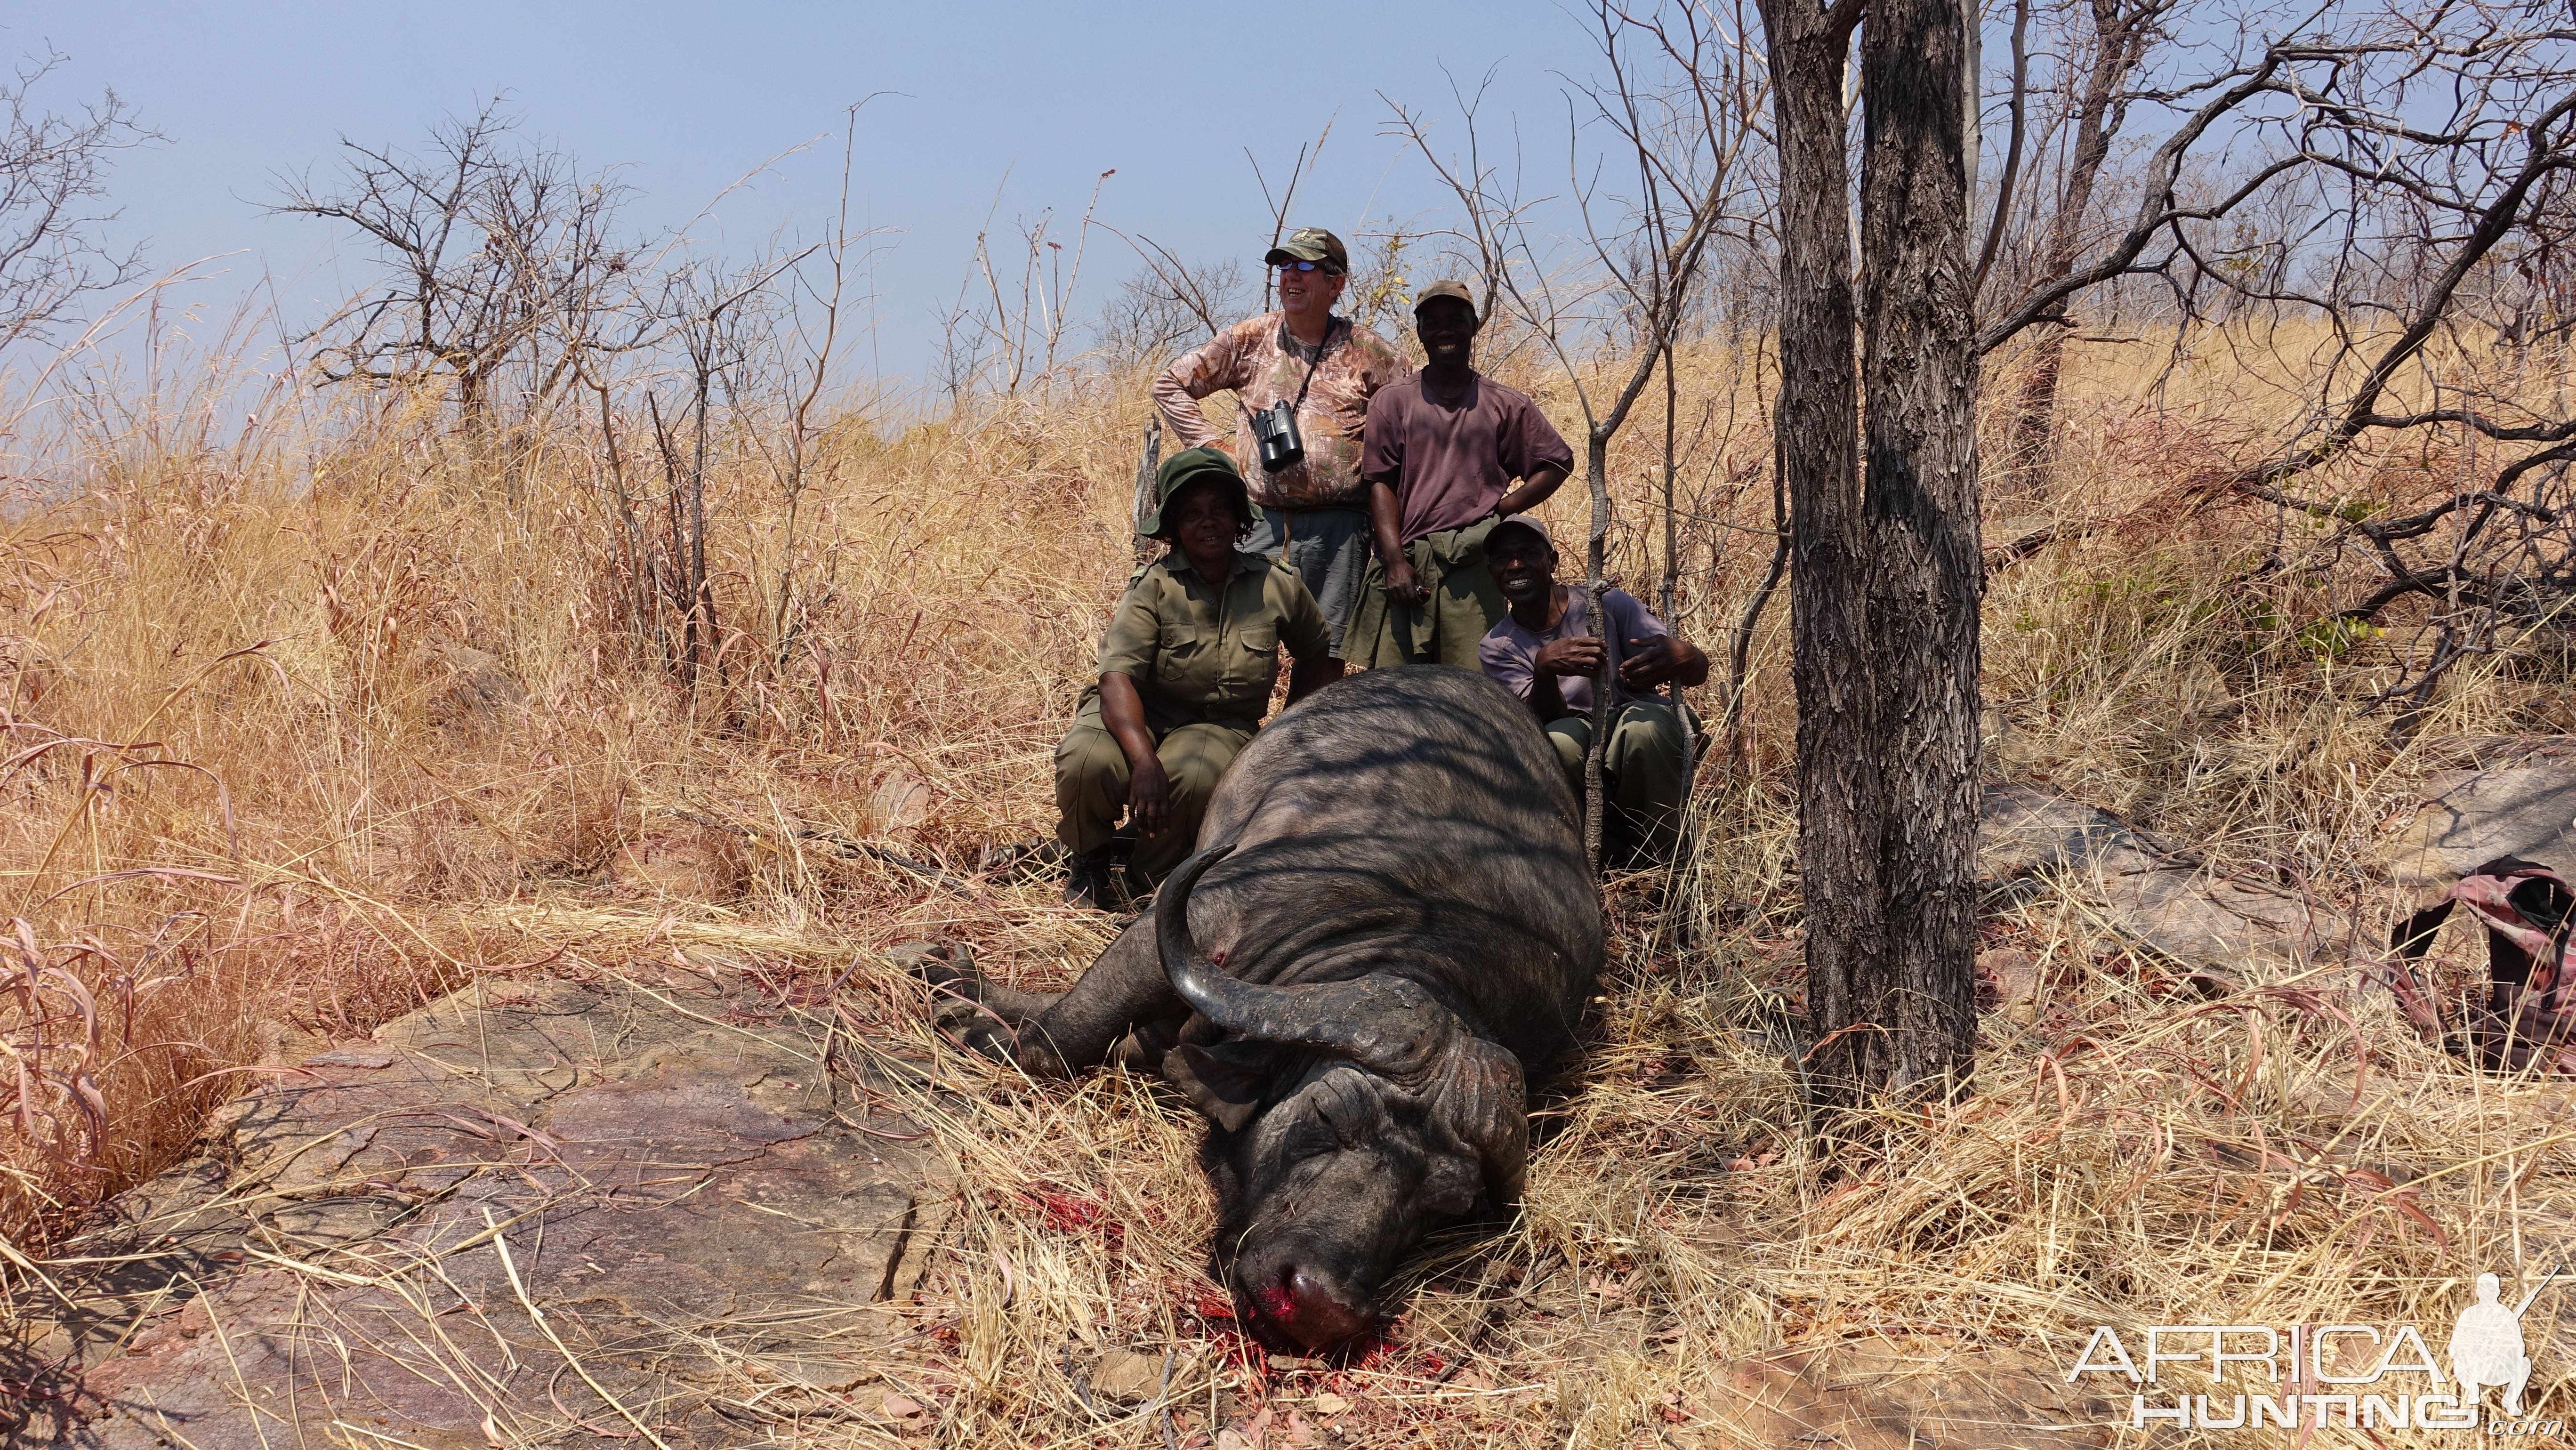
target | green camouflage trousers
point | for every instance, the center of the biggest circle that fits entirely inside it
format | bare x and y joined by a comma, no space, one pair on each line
1091,788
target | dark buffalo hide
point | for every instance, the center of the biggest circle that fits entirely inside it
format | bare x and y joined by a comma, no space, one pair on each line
1387,929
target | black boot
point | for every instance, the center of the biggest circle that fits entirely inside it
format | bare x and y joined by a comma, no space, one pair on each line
1086,882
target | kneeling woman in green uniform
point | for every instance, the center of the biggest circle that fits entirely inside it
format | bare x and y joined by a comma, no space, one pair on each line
1185,671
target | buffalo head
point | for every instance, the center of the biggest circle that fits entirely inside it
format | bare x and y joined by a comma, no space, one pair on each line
1352,1118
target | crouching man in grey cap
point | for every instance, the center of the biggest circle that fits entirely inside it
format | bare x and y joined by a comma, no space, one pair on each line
1312,513
1544,652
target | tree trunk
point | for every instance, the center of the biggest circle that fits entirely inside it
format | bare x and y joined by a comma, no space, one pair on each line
1815,448
702,600
1147,462
1883,592
1595,791
1916,812
1686,836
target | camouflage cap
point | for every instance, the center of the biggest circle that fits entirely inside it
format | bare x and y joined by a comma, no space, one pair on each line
1446,287
1311,244
1189,466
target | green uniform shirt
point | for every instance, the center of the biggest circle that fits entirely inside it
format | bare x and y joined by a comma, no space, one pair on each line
1201,654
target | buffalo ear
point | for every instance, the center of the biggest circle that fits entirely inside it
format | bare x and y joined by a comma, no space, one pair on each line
1477,1096
1224,1081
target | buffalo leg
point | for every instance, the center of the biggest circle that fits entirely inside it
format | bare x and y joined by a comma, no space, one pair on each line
1057,1034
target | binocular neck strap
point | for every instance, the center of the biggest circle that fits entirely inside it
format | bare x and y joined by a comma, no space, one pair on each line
1321,348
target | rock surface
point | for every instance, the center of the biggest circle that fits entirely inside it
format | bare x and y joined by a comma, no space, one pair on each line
587,1210
2151,896
2510,798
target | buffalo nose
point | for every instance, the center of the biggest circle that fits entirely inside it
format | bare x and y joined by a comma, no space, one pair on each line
1307,1308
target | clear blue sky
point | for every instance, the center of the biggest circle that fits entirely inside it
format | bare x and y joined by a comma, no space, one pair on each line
685,98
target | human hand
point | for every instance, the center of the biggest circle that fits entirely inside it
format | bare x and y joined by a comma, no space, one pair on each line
1649,663
1149,796
1402,587
1576,657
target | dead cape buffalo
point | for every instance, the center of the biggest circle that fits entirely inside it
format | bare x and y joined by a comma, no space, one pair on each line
1387,929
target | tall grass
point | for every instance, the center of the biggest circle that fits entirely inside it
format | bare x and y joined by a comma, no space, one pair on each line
308,726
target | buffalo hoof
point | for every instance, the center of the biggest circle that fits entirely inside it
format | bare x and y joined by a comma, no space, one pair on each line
968,1022
957,998
984,1037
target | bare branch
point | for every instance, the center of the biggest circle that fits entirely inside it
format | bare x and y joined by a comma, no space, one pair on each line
53,181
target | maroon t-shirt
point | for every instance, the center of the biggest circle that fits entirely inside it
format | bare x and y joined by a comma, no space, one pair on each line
1450,461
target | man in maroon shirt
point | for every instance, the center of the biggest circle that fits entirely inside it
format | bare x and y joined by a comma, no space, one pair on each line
1440,455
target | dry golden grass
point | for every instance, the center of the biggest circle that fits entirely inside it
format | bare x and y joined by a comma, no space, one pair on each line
244,808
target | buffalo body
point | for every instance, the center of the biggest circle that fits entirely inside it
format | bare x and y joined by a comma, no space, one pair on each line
1388,929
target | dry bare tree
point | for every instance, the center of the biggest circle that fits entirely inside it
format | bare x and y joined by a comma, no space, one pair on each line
53,186
498,266
1168,306
2052,171
1298,170
805,356
2374,205
1007,332
2446,142
721,322
1494,213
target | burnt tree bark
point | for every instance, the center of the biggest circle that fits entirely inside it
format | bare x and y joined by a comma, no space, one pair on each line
1919,507
1885,585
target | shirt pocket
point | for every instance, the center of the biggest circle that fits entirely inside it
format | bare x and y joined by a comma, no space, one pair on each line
1179,646
1261,641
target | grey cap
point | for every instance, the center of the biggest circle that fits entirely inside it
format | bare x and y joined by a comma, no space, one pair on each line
1519,521
1446,287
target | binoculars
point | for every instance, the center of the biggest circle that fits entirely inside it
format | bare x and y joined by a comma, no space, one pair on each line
1275,429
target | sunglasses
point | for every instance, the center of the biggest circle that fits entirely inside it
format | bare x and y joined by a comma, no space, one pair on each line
1301,267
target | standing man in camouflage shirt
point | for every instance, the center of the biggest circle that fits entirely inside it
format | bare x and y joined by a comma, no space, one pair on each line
1313,513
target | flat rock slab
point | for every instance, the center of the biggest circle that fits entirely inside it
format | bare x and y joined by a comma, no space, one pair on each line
2150,896
2513,798
576,1211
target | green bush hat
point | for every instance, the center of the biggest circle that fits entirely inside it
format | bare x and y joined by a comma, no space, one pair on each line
1446,287
1195,465
1311,244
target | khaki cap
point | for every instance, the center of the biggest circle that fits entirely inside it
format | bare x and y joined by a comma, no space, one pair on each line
1446,287
1311,244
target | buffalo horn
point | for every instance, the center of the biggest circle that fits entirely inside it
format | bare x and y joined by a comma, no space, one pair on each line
1384,1023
